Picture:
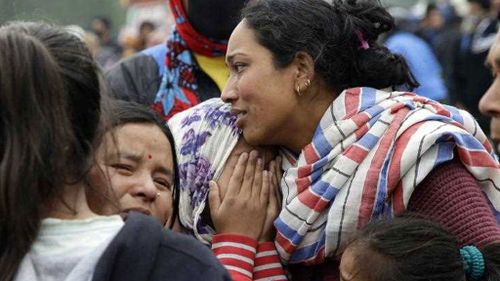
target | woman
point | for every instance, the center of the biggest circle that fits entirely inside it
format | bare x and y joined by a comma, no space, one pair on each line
232,215
137,159
353,153
49,115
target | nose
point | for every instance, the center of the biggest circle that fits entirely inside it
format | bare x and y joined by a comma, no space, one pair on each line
490,102
145,189
229,91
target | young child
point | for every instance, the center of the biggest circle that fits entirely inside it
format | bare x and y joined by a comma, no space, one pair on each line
412,249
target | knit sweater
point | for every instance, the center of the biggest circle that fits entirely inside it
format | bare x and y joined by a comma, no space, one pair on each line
450,196
246,260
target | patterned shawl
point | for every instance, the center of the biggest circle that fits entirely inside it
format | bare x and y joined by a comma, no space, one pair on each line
204,136
369,152
178,86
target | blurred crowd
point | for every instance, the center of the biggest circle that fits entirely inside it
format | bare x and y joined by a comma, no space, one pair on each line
447,51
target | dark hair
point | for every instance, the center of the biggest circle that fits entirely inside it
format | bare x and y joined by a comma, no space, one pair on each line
430,8
49,111
329,34
485,4
125,112
413,249
104,20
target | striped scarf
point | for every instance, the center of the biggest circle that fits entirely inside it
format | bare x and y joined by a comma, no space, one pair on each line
179,85
369,152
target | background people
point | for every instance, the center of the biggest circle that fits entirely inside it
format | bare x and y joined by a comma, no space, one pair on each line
189,68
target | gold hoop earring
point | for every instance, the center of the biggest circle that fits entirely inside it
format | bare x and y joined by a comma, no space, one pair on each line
298,91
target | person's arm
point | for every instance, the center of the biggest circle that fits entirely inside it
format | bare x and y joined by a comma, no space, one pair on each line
237,254
239,215
267,263
451,196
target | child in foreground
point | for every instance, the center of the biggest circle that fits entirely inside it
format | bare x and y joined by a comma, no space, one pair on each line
412,249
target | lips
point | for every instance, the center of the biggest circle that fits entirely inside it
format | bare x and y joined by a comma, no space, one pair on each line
241,114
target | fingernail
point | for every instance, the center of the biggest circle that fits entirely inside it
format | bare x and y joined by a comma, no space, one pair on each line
259,162
211,184
244,156
254,154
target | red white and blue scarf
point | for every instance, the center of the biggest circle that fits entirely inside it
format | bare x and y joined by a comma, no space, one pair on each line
178,87
370,151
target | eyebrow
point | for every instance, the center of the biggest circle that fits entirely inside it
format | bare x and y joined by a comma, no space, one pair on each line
137,157
230,58
127,155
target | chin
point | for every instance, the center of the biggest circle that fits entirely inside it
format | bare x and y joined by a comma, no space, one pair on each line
255,138
250,137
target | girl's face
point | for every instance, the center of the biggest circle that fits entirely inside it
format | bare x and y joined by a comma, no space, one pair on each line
136,160
261,95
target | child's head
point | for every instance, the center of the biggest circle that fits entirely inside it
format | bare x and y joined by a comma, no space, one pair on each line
413,249
49,113
208,146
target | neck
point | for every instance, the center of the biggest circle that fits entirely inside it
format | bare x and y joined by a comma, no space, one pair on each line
313,106
72,205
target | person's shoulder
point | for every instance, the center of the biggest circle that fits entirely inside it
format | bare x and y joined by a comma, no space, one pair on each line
136,78
187,247
178,256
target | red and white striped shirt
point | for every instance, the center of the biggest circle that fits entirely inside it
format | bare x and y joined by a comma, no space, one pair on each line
247,260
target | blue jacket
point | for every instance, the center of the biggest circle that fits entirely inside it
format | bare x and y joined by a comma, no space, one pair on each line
422,62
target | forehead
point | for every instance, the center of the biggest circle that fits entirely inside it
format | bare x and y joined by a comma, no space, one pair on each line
142,138
242,38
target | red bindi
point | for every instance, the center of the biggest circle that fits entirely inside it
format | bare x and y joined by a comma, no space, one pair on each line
149,156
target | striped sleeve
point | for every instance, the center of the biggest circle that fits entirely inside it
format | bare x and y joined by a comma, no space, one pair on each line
267,264
236,253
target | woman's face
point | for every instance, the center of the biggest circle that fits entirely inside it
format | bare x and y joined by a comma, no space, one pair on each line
262,95
266,153
136,160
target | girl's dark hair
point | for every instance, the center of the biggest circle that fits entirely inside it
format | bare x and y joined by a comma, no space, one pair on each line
49,112
413,249
124,112
329,34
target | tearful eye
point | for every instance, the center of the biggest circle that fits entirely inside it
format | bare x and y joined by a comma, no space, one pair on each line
122,168
162,184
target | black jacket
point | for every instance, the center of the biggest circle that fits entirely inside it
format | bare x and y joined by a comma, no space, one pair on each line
138,78
143,250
